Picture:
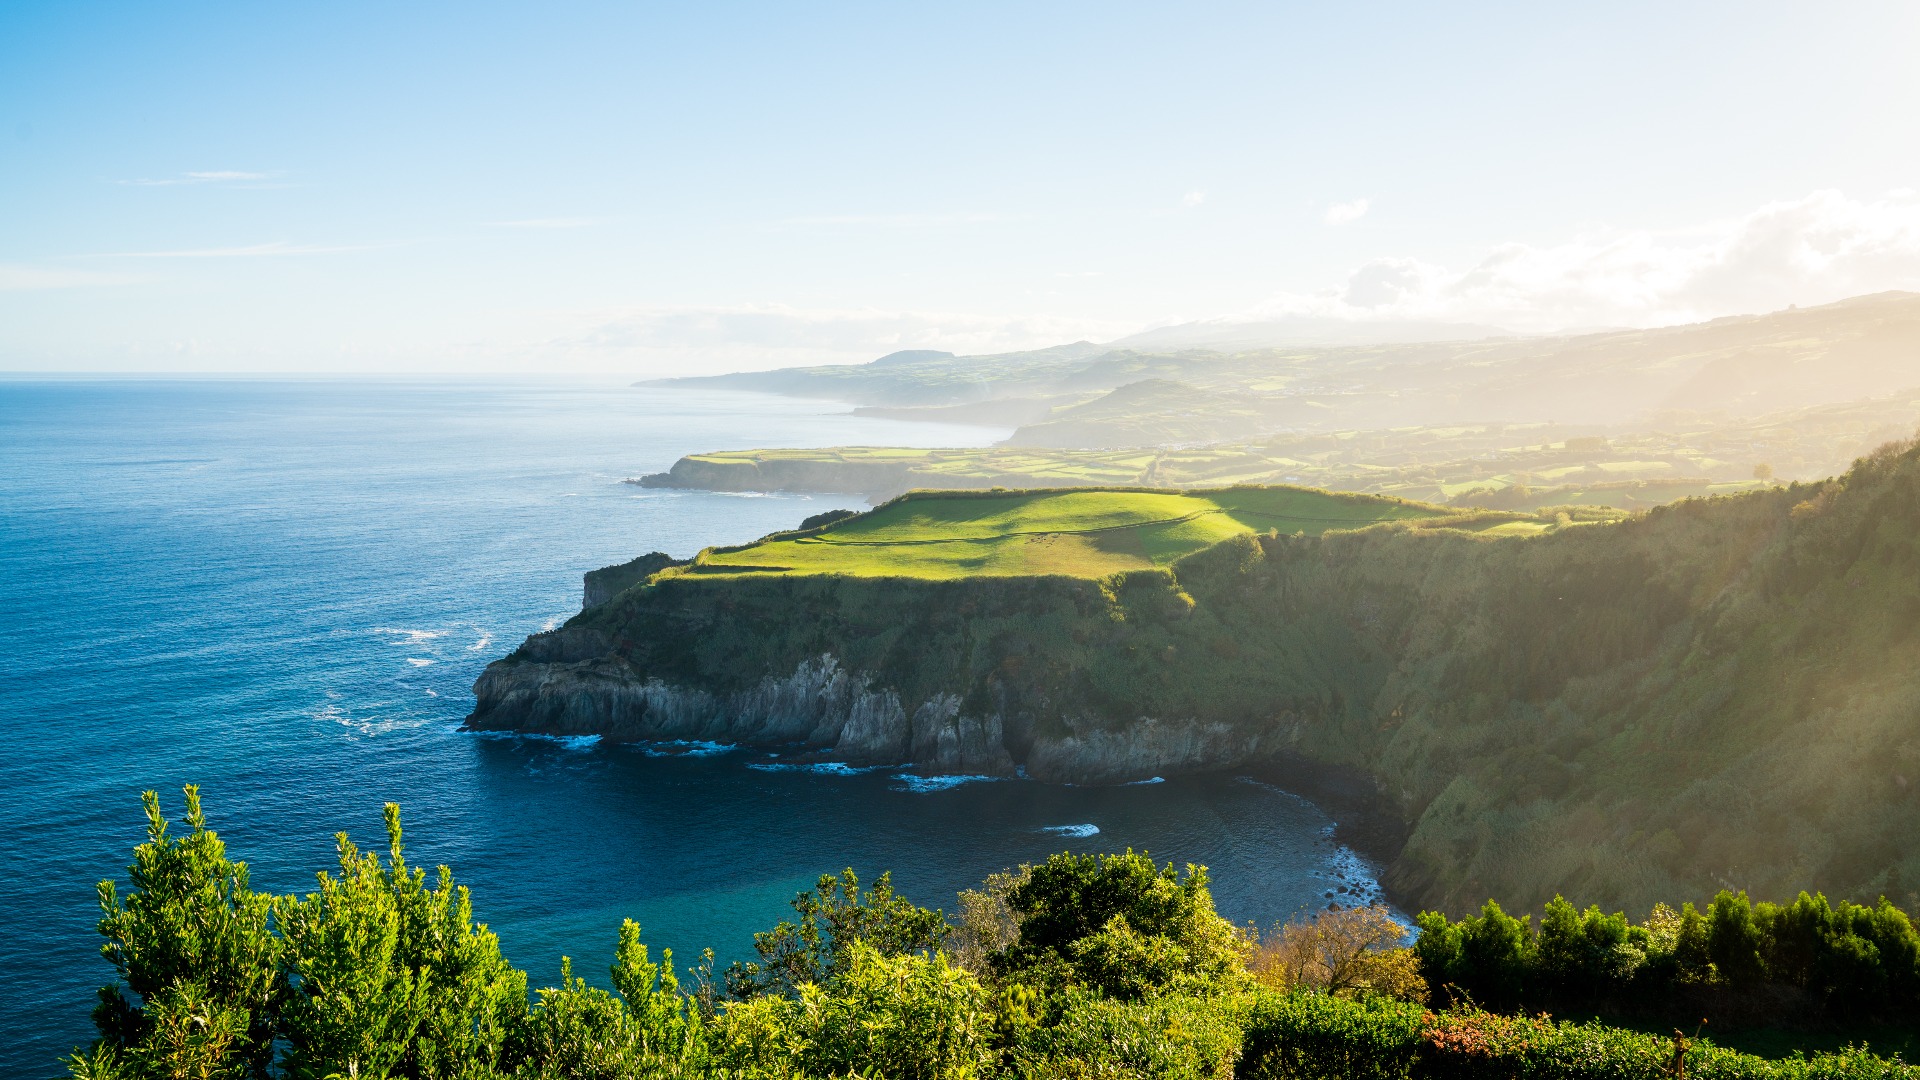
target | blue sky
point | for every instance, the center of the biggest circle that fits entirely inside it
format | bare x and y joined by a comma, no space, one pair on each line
620,188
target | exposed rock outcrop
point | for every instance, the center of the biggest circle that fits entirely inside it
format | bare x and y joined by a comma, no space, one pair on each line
608,582
564,683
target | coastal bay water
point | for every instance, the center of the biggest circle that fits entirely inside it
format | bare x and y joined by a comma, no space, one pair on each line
283,590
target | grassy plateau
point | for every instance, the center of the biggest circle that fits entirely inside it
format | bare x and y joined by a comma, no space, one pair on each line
1076,533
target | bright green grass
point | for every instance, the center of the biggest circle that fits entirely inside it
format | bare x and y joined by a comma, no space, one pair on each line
1088,533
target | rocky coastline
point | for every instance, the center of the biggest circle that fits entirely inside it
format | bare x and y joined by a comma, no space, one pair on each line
570,682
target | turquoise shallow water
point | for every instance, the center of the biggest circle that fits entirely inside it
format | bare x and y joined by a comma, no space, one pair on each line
283,591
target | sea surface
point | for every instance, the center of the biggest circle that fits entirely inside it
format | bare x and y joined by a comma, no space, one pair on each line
282,591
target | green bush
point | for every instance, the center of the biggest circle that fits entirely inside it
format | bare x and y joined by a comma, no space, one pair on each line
1312,1036
1119,924
1319,1037
197,965
1111,968
833,918
1848,959
1171,1037
899,1017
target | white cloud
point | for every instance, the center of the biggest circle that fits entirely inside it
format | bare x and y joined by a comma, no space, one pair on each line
213,176
908,221
549,223
1193,198
1341,213
774,335
15,278
278,247
1812,250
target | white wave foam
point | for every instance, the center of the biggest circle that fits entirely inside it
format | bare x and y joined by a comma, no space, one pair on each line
565,742
486,639
686,748
1073,830
369,727
412,637
417,662
910,782
1148,780
819,768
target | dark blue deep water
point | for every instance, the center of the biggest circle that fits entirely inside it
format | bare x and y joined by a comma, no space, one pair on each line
282,591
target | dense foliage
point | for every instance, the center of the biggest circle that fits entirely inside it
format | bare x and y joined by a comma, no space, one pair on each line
1084,966
1849,959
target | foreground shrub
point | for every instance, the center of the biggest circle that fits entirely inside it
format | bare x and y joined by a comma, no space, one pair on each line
835,916
387,975
1175,1037
900,1017
1814,958
1087,967
1302,1035
1351,952
1319,1037
1119,924
197,964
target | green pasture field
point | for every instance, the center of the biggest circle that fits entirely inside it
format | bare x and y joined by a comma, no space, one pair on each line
1080,533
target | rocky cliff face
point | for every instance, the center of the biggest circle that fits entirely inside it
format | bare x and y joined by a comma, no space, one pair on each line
602,585
567,683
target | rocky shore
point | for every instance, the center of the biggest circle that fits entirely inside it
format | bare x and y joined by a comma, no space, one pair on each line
569,682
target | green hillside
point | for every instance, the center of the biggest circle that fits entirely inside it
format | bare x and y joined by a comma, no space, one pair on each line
1717,693
1505,466
1097,533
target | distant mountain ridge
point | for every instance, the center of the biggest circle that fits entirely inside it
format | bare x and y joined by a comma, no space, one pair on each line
1741,366
1231,335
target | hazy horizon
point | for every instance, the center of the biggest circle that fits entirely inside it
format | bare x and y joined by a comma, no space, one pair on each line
633,192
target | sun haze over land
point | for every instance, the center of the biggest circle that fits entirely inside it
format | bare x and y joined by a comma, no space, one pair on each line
639,190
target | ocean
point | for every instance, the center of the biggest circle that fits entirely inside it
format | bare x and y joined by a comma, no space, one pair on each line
283,590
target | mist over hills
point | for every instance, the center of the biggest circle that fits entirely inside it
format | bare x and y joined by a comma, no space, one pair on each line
1233,335
1738,366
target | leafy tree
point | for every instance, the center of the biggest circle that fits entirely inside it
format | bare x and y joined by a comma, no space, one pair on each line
1487,956
1084,918
1167,1037
580,1032
986,923
1349,951
834,916
903,1017
352,1008
1582,956
387,975
1692,948
194,948
471,995
1734,939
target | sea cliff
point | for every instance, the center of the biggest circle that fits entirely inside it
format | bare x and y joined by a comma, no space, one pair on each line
1720,691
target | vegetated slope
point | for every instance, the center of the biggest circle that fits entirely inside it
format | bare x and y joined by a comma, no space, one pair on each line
1511,466
1155,412
1718,692
1741,366
1079,533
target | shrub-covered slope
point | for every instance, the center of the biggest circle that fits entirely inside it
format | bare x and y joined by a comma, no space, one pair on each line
1719,692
